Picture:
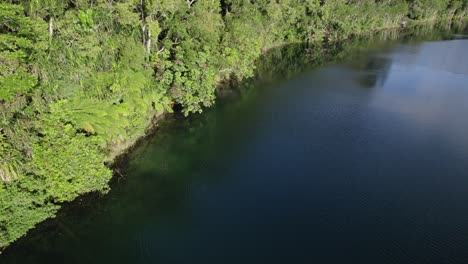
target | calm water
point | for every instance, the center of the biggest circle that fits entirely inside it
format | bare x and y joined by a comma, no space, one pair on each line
359,161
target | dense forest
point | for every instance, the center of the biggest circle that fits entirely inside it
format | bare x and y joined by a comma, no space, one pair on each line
81,80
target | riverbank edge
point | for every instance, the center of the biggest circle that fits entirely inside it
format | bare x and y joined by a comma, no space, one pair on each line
119,153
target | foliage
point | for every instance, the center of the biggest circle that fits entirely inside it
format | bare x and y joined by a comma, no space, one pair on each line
18,40
63,179
22,209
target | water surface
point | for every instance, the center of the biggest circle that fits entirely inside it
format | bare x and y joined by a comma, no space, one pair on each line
364,160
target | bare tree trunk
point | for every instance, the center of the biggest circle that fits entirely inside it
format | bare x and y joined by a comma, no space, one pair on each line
452,14
143,33
148,43
143,23
190,2
51,27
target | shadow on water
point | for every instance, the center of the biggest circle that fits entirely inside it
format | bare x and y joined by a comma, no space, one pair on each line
186,157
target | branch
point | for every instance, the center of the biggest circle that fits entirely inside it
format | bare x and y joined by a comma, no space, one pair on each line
190,2
160,51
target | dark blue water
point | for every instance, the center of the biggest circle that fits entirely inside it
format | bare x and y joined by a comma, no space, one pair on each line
362,161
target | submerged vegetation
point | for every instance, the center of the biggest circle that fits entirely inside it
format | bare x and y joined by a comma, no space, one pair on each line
80,78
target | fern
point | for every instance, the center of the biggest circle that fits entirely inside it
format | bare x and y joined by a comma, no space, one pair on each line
10,162
96,117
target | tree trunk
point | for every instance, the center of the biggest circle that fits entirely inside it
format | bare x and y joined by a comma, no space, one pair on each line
143,33
143,24
148,43
452,14
190,2
51,27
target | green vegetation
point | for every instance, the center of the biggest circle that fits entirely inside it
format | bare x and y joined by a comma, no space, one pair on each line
81,78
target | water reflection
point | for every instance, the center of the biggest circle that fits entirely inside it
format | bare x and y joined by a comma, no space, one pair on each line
426,86
373,71
460,36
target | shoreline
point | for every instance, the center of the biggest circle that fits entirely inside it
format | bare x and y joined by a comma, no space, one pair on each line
119,154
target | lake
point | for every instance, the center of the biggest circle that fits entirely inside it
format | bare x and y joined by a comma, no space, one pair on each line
353,154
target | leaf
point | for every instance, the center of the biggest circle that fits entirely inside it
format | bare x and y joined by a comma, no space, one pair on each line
86,126
159,108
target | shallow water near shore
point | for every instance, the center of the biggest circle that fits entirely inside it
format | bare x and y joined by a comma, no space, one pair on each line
360,160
